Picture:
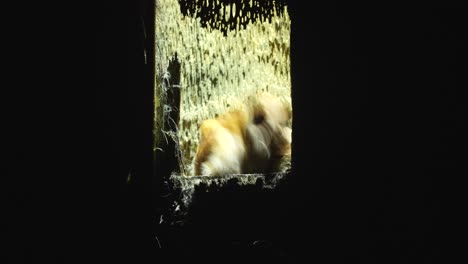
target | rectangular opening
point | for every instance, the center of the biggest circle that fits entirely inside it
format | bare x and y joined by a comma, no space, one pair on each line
228,54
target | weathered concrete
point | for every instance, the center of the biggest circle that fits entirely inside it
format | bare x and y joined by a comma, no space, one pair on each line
183,189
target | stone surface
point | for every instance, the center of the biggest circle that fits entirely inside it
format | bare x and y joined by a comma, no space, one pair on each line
184,189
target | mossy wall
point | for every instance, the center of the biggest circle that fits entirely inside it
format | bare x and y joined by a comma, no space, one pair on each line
219,66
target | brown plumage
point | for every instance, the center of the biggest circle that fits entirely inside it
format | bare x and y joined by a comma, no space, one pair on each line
253,139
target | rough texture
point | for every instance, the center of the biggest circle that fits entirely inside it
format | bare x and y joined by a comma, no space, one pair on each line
226,15
184,189
219,68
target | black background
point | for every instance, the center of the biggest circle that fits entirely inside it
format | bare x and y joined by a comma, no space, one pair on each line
379,109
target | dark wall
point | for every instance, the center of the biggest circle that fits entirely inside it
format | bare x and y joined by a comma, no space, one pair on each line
124,122
378,115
